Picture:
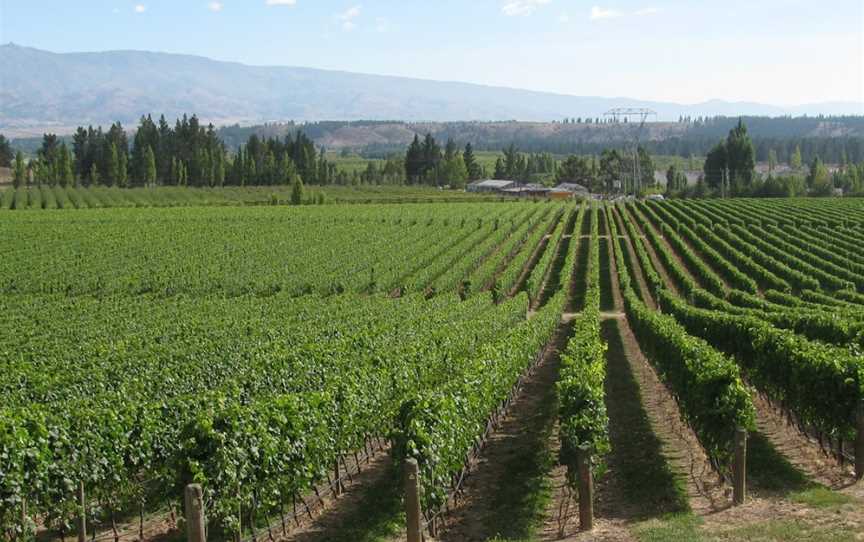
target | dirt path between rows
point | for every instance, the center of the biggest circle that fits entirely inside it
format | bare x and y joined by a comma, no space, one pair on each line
504,493
635,268
364,510
652,254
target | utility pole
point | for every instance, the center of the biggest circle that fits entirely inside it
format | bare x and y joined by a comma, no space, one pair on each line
630,115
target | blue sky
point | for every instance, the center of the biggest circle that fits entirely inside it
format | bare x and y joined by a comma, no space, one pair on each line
781,52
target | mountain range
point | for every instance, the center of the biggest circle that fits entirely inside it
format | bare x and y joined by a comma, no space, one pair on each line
41,90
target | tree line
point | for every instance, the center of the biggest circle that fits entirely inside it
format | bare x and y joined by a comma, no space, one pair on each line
730,170
187,154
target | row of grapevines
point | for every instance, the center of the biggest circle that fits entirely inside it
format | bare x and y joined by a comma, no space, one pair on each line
823,384
707,385
438,426
703,273
817,325
485,275
582,416
533,242
792,276
234,251
556,242
684,281
200,412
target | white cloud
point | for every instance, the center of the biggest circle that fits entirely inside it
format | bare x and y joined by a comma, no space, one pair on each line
140,8
646,11
604,13
564,18
215,6
281,2
347,17
521,8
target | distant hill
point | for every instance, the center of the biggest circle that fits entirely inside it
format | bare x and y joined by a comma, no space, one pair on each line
43,90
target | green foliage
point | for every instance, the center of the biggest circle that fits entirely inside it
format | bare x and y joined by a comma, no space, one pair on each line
707,384
584,423
19,178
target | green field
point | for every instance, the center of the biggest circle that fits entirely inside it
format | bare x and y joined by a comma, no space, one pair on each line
250,349
56,197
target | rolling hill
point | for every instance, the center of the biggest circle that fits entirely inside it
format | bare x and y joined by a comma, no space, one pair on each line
41,90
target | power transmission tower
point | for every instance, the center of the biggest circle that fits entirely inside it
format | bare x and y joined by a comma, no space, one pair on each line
631,115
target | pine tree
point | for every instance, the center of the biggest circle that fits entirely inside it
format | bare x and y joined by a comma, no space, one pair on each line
414,160
6,155
94,174
471,165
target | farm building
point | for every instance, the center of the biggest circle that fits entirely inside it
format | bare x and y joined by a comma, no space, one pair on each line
528,191
568,190
489,185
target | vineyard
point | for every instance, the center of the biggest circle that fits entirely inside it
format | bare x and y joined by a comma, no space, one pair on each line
275,354
45,197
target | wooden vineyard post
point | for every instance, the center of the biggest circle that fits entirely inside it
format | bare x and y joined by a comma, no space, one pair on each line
586,489
739,468
195,513
859,441
24,521
412,500
82,514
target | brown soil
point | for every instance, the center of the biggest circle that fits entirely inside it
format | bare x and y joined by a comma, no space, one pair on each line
339,514
802,452
681,448
491,503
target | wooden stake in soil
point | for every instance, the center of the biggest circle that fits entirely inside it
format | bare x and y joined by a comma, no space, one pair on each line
24,521
586,489
859,442
82,514
739,468
194,497
412,500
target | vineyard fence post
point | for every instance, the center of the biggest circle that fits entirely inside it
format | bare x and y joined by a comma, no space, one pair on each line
586,489
859,442
412,500
82,513
739,467
195,513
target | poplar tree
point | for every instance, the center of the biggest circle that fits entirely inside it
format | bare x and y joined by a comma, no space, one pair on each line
150,166
113,172
795,162
297,191
20,178
67,175
123,171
